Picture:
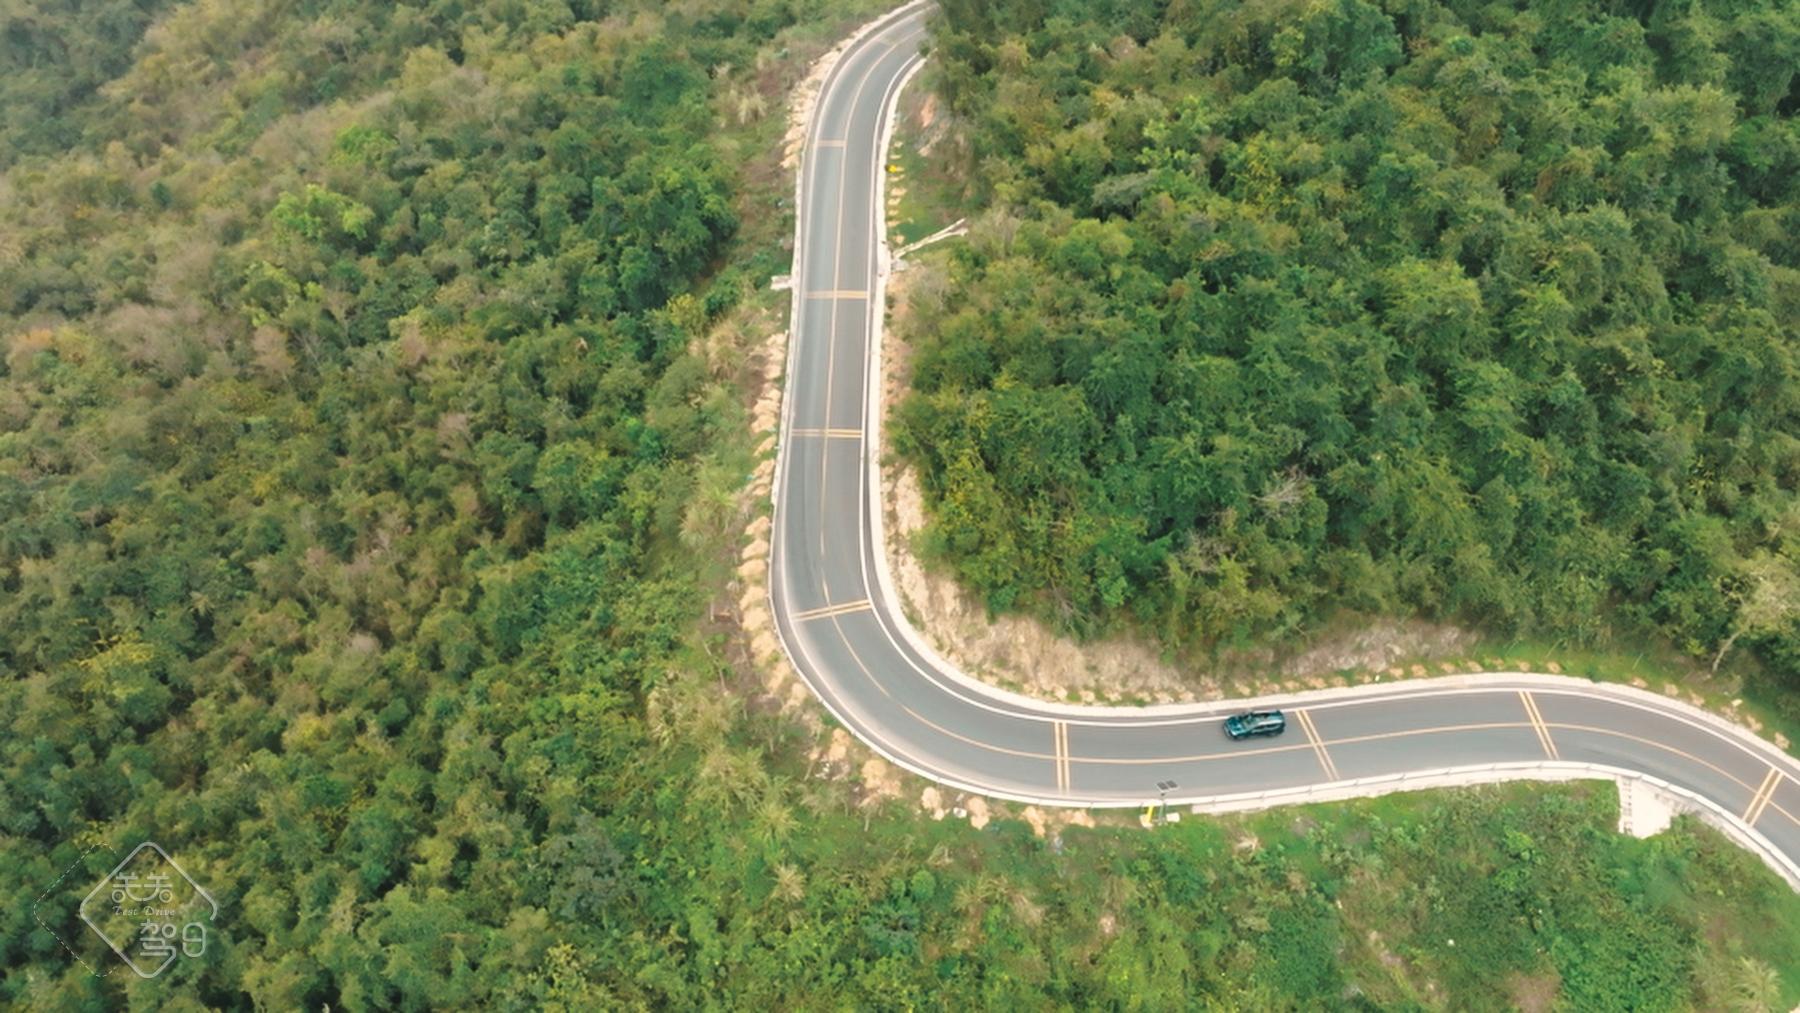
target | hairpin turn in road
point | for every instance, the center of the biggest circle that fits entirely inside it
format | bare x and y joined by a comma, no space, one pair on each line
837,620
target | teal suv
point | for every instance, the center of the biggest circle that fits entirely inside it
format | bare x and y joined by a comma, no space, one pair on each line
1255,723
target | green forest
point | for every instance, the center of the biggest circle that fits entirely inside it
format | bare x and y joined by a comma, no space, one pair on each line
373,395
1484,312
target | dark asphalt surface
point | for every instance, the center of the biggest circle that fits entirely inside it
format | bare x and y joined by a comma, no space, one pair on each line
851,644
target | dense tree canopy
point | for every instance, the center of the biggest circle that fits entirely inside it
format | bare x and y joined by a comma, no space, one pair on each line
361,447
54,55
1481,311
347,417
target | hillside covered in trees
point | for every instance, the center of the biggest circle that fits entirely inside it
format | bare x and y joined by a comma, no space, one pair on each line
348,415
372,412
1481,311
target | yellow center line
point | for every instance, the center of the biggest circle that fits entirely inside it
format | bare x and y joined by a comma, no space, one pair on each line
825,611
1684,754
1537,724
1234,754
1760,800
1318,744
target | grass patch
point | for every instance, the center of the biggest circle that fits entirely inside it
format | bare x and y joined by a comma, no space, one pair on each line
926,188
1512,896
1498,895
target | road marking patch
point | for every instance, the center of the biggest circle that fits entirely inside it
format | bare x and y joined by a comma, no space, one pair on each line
1538,725
1060,731
1318,744
830,434
1760,800
838,293
827,611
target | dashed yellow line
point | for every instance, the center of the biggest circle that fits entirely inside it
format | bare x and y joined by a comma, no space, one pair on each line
838,293
1060,733
1318,744
1760,800
827,611
830,434
1538,725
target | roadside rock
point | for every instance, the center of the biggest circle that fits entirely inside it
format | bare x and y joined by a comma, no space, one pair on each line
932,802
753,572
880,779
766,650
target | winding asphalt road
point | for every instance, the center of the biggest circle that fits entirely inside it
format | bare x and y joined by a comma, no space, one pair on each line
838,622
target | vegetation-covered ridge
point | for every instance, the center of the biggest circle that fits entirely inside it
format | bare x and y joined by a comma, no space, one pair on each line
351,427
1480,311
371,443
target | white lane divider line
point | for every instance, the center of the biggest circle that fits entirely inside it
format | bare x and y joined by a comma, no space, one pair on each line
1318,744
1538,725
1760,800
827,611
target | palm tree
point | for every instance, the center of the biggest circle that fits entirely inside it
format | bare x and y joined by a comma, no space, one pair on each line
728,776
774,819
1758,987
790,883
